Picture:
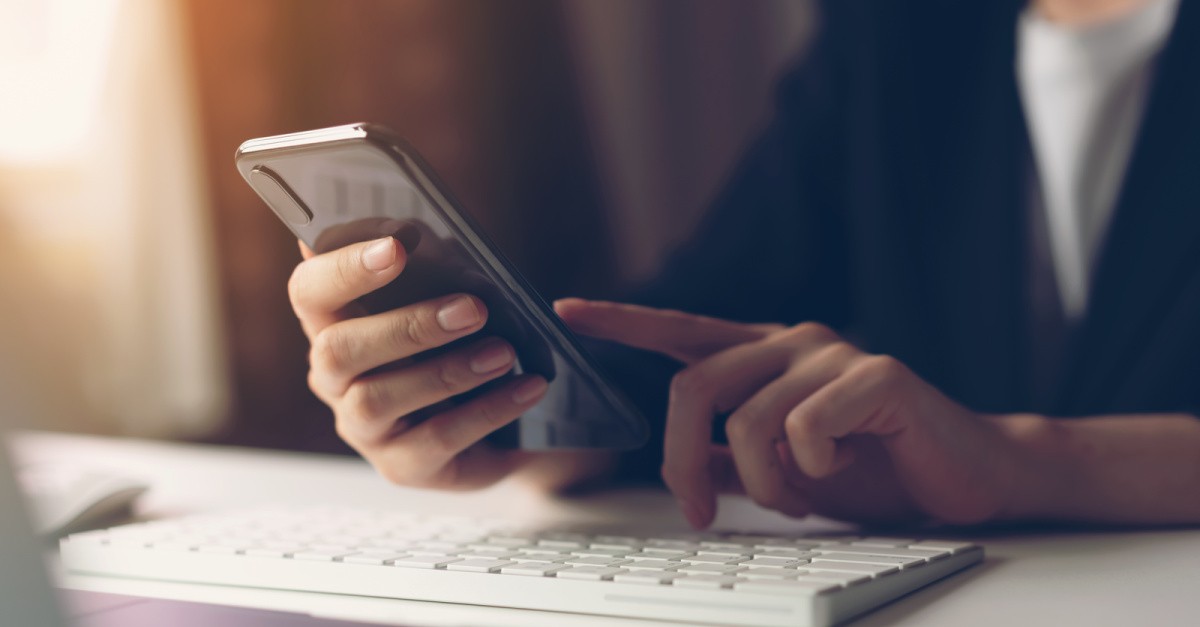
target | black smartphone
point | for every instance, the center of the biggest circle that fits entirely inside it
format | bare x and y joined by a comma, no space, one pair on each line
345,184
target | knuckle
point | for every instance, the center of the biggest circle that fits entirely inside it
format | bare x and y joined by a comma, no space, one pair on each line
295,286
410,329
813,332
881,369
329,352
445,376
437,437
314,385
364,402
739,427
346,268
689,382
798,424
494,414
839,352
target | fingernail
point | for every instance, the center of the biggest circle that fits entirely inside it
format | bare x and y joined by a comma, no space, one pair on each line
529,390
458,314
380,255
490,358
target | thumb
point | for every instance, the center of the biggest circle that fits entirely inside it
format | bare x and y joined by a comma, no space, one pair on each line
683,336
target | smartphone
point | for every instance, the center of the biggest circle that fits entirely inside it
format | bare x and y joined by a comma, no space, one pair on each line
345,184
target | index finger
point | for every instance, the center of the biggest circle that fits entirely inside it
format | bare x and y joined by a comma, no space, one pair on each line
323,285
679,335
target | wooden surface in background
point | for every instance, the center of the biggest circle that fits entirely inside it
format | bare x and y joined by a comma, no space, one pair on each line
482,89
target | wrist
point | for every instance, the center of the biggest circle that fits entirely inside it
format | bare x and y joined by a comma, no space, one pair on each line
1035,483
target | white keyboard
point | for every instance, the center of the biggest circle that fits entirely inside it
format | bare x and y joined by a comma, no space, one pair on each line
719,578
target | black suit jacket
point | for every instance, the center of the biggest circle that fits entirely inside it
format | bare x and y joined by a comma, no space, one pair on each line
888,199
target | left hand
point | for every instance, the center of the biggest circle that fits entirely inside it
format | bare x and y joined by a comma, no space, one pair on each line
817,425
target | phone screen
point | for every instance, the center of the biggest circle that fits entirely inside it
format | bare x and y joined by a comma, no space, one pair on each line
336,190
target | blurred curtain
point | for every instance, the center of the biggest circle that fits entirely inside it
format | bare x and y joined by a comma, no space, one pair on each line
673,91
109,319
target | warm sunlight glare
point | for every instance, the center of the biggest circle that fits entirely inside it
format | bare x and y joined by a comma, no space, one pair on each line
53,59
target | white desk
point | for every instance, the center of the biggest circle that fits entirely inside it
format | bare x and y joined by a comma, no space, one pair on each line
1038,578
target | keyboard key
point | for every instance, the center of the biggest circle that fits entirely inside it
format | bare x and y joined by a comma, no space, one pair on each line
494,546
714,559
424,561
739,553
374,559
873,570
655,577
654,555
533,569
844,579
479,565
892,552
652,564
786,553
864,558
491,555
542,550
596,561
713,569
942,545
769,572
622,540
437,549
262,551
627,547
707,581
777,543
539,559
778,562
594,552
590,573
790,587
322,555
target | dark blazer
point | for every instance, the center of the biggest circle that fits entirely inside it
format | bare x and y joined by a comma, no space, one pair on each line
889,199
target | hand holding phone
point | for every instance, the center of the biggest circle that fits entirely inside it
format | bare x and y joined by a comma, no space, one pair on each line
389,404
425,339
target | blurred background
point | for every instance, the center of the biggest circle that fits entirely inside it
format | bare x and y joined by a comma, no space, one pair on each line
144,283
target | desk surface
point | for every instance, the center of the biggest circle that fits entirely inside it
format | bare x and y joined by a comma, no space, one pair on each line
1029,577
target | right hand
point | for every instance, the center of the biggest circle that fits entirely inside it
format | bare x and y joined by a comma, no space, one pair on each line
387,398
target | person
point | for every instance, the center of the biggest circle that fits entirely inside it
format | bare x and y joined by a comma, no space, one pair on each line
957,279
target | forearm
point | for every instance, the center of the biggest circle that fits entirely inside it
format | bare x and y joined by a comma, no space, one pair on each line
1127,469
